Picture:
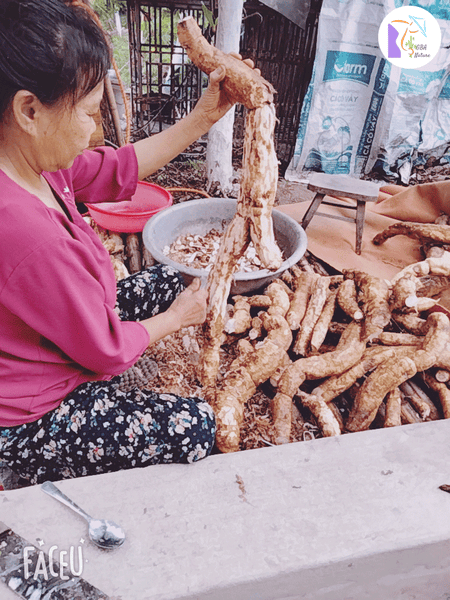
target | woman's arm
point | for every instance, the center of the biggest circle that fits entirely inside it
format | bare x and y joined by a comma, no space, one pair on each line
189,308
157,150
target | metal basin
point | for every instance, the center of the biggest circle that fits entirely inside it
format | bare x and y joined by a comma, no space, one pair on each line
199,217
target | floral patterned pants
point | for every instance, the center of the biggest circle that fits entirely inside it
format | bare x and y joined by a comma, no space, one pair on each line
99,428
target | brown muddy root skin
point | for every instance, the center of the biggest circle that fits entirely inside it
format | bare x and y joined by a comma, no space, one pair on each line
427,232
241,83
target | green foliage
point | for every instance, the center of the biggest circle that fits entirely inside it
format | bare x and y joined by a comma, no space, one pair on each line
195,165
122,55
121,50
209,16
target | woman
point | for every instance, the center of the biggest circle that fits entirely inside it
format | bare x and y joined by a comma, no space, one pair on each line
66,332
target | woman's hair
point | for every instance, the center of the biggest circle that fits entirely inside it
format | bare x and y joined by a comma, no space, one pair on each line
51,48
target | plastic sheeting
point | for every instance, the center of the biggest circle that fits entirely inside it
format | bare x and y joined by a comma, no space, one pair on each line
360,112
294,10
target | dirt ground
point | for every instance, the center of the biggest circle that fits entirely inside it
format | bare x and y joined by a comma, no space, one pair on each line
189,170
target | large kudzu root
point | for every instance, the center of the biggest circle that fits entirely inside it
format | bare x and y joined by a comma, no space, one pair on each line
346,298
280,301
393,416
321,327
434,342
303,284
442,391
242,83
412,323
404,293
251,368
323,413
373,297
259,183
425,232
233,245
316,302
396,370
384,379
348,351
372,357
253,219
420,401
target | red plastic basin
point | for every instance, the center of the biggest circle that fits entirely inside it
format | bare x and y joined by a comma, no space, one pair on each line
130,216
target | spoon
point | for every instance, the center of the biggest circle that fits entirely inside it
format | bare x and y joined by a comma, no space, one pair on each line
105,534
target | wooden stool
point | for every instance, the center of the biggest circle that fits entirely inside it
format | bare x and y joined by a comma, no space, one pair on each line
345,186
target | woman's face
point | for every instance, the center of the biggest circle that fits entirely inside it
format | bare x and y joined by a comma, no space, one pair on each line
64,131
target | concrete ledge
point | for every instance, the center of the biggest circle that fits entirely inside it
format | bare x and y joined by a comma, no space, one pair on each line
358,517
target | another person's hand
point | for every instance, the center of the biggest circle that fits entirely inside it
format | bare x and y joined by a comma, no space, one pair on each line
189,308
215,103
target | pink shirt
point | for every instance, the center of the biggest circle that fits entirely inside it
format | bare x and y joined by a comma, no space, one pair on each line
58,327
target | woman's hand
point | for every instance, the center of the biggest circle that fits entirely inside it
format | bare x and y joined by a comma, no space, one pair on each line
154,152
215,102
189,308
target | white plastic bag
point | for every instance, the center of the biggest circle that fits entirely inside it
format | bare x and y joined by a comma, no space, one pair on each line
360,111
436,125
352,91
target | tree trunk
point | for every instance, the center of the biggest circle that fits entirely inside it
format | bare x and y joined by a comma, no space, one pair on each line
220,137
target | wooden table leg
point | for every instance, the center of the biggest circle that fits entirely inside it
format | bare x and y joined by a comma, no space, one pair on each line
360,211
312,209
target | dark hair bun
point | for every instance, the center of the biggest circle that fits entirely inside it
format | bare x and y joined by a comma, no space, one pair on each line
51,48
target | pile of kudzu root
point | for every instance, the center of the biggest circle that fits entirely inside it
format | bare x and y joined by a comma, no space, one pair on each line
352,350
319,354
